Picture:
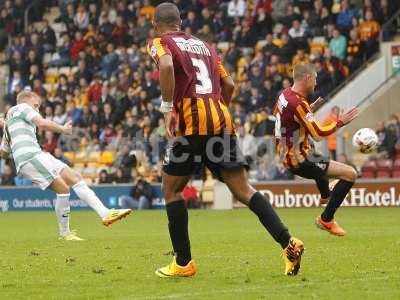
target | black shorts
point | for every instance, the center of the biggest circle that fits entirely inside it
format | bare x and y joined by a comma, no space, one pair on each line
188,154
314,167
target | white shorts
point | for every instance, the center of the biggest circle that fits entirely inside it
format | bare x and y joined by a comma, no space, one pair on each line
42,169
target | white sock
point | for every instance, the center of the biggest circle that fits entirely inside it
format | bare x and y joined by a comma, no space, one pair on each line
86,194
62,211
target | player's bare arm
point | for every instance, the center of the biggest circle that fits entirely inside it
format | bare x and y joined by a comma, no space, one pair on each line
167,86
45,124
227,88
227,84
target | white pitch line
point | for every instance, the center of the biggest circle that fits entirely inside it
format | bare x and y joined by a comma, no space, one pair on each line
244,289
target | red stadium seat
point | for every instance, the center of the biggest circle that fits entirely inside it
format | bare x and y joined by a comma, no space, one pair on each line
368,174
396,168
384,168
368,169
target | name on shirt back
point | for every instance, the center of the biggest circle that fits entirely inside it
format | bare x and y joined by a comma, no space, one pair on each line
192,45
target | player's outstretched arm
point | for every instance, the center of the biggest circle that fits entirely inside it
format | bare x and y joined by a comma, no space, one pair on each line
45,124
348,116
167,86
305,117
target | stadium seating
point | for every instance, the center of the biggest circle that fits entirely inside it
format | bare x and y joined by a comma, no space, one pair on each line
396,168
96,77
368,170
384,168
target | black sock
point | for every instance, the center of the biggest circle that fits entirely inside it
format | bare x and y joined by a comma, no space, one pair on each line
178,231
268,217
339,192
323,187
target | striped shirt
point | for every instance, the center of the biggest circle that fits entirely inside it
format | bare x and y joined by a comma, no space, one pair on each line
295,124
19,138
198,105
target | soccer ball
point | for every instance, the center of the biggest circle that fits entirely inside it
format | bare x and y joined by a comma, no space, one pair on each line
365,140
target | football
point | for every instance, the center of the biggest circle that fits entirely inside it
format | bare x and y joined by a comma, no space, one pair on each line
365,140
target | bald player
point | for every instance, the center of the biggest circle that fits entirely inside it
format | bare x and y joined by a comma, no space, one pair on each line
196,91
295,124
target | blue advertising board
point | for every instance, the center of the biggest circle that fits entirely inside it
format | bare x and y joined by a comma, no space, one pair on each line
33,198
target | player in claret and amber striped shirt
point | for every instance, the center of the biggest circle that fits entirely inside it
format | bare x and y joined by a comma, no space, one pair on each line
295,125
196,92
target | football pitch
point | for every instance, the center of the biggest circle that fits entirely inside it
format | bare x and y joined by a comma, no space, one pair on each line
236,258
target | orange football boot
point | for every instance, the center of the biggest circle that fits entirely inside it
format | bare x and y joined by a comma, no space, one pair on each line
332,227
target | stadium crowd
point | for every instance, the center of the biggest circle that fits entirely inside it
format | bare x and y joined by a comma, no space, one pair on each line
89,65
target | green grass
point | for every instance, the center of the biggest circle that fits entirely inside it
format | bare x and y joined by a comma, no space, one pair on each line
236,258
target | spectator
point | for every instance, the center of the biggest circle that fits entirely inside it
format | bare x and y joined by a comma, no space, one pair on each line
394,126
140,196
58,153
50,142
131,128
7,178
369,31
205,34
142,29
287,50
15,82
300,58
60,117
386,141
107,135
246,37
63,52
191,22
236,8
81,19
48,37
279,8
247,144
120,177
104,178
354,46
324,80
298,34
338,45
331,140
147,10
126,159
109,62
77,46
345,17
73,114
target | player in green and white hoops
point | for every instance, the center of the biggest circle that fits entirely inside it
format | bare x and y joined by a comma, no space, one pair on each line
43,169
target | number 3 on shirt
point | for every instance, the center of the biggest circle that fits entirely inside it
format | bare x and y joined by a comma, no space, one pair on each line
205,86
